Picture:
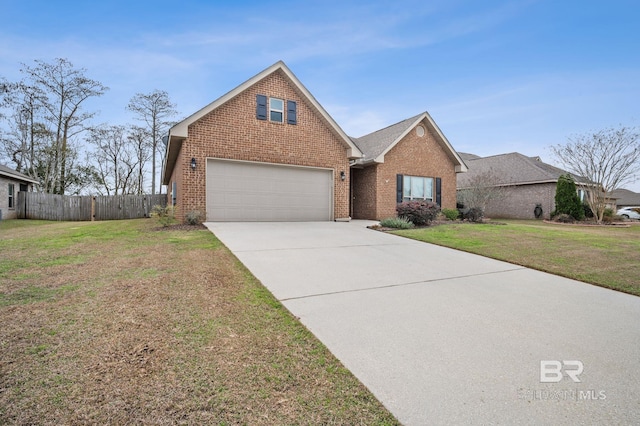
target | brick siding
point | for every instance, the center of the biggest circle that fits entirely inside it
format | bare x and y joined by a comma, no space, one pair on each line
375,189
520,201
232,132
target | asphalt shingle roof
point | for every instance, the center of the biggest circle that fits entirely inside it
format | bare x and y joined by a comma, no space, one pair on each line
6,171
626,197
511,169
374,144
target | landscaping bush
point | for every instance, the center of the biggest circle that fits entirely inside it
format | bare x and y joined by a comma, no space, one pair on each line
164,215
396,222
567,201
587,211
194,217
474,214
608,215
564,218
451,214
419,213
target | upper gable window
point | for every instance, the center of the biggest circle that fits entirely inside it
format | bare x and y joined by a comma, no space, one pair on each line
276,110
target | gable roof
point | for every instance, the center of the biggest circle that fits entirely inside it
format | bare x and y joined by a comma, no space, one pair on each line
467,156
10,173
512,169
626,197
375,145
179,132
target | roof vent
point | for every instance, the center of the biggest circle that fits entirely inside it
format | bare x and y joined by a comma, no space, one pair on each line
420,131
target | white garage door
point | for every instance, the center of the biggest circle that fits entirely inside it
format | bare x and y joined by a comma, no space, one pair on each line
239,191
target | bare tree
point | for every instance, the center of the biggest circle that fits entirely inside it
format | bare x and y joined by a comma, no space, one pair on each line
481,189
138,139
605,160
64,90
155,110
115,160
28,135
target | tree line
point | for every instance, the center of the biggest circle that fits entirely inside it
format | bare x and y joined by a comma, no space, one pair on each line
47,134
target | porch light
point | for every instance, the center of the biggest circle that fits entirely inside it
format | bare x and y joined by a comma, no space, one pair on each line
193,163
343,176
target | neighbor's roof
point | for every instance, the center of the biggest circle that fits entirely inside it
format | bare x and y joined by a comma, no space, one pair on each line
375,145
512,169
179,132
6,171
626,197
466,156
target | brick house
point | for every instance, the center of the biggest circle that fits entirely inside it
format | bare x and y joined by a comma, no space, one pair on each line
12,182
410,160
268,151
526,181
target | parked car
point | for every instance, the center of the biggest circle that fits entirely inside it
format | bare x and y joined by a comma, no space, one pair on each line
629,212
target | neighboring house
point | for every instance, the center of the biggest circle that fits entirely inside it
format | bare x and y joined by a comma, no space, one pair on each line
626,198
12,182
526,182
268,151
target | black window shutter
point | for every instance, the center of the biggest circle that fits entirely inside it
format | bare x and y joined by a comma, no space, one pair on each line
439,191
261,107
399,179
291,112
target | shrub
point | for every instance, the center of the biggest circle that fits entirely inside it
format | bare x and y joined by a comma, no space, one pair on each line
164,215
418,212
474,214
567,200
451,214
396,222
587,211
564,218
608,215
194,217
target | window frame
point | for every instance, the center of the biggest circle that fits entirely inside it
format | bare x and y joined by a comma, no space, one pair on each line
275,110
12,196
174,193
407,188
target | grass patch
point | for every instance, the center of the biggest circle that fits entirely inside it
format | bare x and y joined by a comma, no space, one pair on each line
606,256
33,294
119,323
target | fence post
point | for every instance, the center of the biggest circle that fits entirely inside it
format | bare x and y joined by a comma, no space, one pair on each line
93,209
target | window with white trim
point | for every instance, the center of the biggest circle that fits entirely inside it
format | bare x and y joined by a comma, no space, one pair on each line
276,110
582,194
417,188
12,190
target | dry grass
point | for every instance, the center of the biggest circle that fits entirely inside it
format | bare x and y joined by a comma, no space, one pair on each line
607,256
114,323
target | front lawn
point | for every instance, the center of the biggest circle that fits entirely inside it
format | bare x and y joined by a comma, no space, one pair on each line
607,256
118,323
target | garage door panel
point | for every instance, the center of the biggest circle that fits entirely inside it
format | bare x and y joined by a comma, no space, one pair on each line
245,191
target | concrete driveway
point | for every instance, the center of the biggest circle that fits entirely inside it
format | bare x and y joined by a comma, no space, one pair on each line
446,337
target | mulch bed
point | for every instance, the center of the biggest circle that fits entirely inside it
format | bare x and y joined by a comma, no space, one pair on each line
180,227
437,223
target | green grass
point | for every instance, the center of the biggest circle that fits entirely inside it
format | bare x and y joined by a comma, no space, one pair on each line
33,294
121,323
607,256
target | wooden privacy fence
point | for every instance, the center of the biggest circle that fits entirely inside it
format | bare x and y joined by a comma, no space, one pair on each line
36,205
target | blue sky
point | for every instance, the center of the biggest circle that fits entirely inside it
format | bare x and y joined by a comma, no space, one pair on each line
497,76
